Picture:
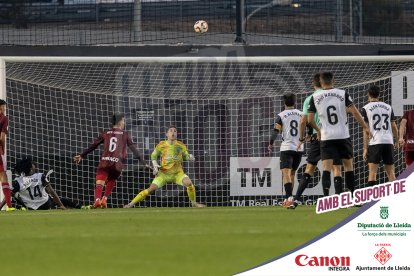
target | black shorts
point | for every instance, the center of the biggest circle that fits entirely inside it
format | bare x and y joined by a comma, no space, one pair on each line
336,149
290,159
314,153
381,152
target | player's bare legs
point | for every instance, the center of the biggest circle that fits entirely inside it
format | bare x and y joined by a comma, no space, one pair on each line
390,170
100,184
372,173
310,169
337,170
288,184
191,192
6,190
373,169
142,195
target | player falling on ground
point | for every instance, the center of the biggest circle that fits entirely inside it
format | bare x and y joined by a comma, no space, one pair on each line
172,153
314,152
407,136
115,142
287,122
4,126
380,118
33,190
332,105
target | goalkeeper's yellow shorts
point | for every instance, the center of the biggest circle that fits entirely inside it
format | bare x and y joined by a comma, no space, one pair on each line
162,178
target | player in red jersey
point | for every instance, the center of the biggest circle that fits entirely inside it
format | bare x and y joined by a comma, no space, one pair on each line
115,142
4,127
407,136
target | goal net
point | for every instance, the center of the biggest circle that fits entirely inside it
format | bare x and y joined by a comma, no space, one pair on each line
223,108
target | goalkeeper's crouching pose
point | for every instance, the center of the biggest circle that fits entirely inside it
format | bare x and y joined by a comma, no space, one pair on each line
34,191
172,153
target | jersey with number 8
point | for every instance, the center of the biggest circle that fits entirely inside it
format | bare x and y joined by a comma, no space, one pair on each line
331,106
288,120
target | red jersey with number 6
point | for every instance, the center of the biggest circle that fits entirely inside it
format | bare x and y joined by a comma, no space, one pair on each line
115,142
409,133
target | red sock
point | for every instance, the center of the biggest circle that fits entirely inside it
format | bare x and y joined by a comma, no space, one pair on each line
7,193
98,191
109,187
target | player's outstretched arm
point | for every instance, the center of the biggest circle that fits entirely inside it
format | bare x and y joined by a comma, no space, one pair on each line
154,157
190,157
365,146
187,155
136,152
312,123
96,143
302,127
3,139
358,117
403,127
277,128
395,133
275,132
54,196
77,158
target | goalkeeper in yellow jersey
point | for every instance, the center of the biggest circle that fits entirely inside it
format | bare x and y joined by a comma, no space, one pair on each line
172,154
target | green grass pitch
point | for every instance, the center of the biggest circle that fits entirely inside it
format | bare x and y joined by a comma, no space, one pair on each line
154,241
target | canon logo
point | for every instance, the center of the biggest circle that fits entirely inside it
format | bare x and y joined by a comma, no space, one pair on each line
303,260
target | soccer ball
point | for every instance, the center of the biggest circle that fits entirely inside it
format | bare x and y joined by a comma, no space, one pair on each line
201,26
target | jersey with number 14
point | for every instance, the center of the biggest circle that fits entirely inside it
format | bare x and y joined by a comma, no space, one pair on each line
115,142
331,106
32,190
289,120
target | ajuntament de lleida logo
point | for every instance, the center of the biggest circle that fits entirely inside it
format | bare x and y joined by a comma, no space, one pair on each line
384,212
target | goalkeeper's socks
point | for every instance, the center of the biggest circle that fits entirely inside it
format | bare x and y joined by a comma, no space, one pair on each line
141,196
350,181
109,187
191,193
288,189
7,194
304,182
326,182
98,191
338,184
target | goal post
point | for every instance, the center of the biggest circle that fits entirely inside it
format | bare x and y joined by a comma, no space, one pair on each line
3,96
223,107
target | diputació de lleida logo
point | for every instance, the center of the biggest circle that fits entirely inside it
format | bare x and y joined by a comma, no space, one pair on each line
384,212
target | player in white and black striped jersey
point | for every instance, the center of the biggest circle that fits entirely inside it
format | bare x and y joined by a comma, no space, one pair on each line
382,124
332,106
287,122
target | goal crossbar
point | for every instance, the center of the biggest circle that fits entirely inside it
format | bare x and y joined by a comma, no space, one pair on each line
207,59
